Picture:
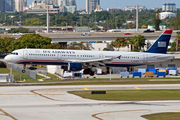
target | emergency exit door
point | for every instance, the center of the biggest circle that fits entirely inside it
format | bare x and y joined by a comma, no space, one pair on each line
25,54
59,56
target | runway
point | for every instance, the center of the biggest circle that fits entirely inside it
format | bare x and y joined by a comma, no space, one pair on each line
54,103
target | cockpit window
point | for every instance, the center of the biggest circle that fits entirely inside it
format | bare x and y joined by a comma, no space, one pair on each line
14,53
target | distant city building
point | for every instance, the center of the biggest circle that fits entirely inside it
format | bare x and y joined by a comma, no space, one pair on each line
63,5
2,5
70,9
9,5
41,8
25,3
91,5
131,8
46,2
155,8
169,7
114,9
98,9
19,5
81,9
164,15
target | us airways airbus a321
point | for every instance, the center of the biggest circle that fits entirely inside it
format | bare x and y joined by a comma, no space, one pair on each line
76,60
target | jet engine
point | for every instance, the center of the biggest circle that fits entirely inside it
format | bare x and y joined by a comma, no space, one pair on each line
75,66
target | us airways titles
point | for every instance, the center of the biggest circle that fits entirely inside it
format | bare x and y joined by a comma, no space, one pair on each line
63,52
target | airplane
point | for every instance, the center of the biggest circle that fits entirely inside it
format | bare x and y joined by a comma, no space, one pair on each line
76,60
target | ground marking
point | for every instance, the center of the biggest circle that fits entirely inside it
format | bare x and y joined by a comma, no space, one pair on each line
175,109
137,88
8,114
86,88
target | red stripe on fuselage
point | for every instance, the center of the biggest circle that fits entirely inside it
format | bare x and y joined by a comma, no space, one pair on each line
133,63
43,61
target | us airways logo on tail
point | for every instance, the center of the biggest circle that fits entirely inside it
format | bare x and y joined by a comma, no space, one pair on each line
161,44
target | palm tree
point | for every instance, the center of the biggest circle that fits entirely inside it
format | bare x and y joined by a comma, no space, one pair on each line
177,41
119,42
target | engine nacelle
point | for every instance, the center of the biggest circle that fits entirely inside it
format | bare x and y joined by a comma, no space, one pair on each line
75,66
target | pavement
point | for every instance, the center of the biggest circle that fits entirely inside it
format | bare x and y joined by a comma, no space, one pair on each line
54,102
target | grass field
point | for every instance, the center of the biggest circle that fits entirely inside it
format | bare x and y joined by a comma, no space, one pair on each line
163,116
17,75
91,81
131,95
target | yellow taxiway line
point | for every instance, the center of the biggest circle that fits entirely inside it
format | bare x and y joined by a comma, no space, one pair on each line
8,114
86,89
137,88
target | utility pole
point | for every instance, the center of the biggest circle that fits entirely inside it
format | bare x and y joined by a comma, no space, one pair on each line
116,22
66,26
81,23
56,21
47,31
137,17
95,22
20,20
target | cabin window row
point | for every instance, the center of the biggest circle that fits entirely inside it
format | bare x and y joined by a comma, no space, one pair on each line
123,57
42,54
78,55
130,57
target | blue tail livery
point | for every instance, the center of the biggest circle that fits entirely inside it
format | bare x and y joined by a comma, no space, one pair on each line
161,44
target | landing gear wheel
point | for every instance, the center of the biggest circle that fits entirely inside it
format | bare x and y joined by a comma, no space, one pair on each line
87,71
91,73
23,71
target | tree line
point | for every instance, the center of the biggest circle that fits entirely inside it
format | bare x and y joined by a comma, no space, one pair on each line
9,44
136,43
106,19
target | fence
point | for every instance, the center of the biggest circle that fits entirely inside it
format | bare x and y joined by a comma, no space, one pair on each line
15,67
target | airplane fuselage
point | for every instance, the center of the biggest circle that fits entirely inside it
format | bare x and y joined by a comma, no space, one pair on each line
63,57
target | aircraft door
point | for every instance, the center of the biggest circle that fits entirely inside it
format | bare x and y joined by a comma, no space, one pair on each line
145,58
59,56
25,54
101,56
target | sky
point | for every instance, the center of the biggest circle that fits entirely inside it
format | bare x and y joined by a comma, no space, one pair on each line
122,3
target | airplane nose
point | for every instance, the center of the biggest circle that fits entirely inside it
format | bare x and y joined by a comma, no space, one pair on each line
6,58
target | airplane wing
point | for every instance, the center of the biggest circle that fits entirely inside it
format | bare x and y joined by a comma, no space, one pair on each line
163,58
95,62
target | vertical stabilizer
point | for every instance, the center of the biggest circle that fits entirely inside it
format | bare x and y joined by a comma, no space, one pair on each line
161,44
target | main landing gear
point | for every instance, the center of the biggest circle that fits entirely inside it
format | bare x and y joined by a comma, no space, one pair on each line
23,71
88,71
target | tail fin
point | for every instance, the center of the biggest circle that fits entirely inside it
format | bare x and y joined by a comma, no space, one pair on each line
161,44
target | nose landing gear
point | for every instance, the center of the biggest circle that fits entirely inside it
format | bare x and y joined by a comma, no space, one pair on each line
23,71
